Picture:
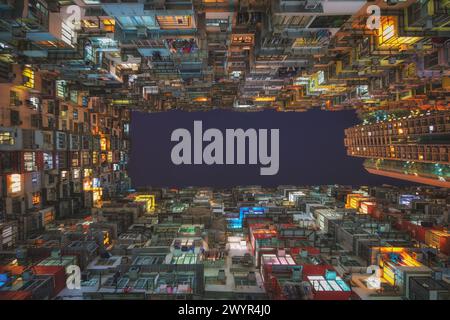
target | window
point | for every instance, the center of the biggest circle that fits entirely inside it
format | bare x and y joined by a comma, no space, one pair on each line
90,24
108,25
51,123
29,160
94,157
28,77
35,120
216,22
36,198
85,158
174,22
14,99
297,21
62,160
74,96
320,77
51,107
84,101
15,118
61,140
48,161
388,34
15,183
52,44
63,112
103,144
48,138
87,173
75,142
6,138
242,39
387,30
75,159
61,88
76,173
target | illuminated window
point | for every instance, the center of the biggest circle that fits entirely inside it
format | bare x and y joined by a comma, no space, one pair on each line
388,34
94,157
387,30
87,173
242,39
63,111
15,183
132,66
174,22
96,183
108,25
36,198
216,22
90,24
52,44
85,158
61,88
29,160
48,217
48,161
76,173
74,96
97,195
6,138
75,159
103,144
87,184
320,77
28,74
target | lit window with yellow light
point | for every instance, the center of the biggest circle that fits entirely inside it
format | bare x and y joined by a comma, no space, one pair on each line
103,143
28,74
109,25
388,34
174,22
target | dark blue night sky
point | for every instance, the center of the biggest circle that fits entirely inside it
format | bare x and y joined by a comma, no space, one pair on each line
312,150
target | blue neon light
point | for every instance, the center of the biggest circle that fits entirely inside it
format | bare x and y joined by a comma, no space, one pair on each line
236,223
